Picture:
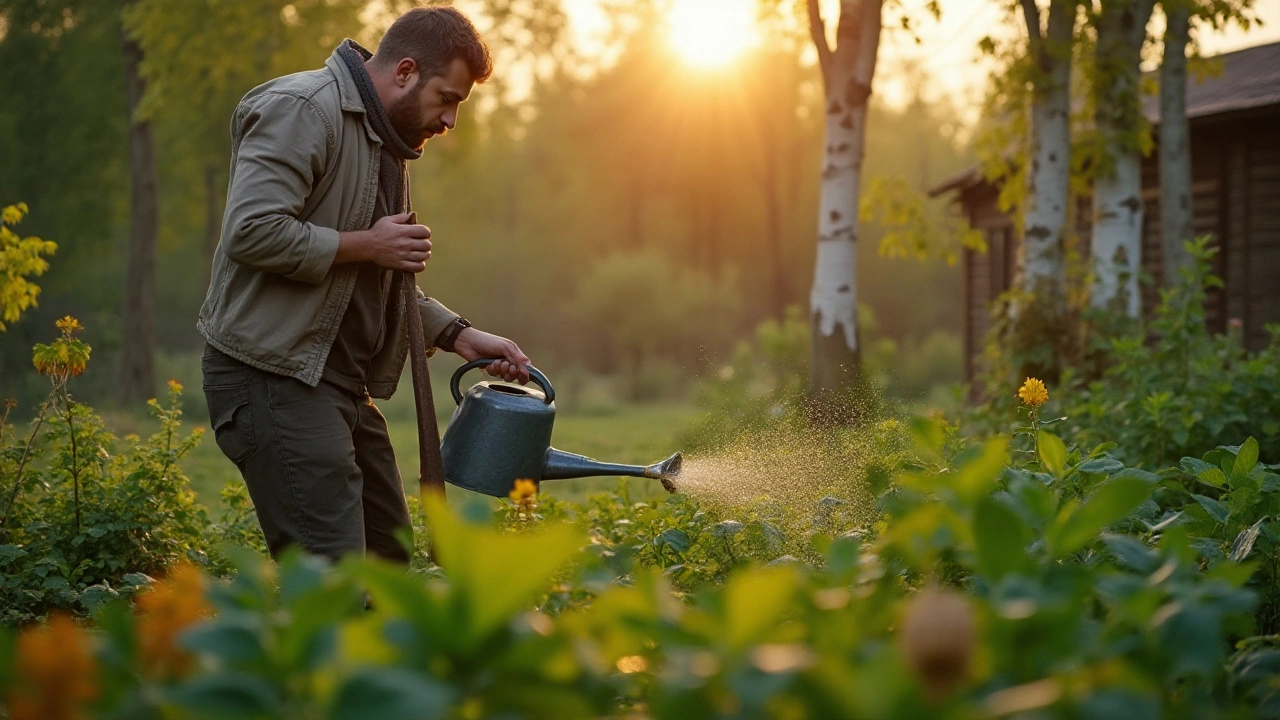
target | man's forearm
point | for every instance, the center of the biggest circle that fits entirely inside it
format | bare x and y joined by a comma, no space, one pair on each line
352,247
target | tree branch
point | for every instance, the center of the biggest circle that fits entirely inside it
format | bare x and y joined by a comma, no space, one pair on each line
818,32
1031,15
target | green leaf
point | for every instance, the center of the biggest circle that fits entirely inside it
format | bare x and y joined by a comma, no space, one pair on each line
232,639
1001,538
390,693
674,538
1246,459
496,573
755,600
1215,509
1053,453
1132,553
227,694
1212,476
842,556
978,476
1112,500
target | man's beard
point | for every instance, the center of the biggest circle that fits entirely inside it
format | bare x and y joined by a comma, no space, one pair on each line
403,115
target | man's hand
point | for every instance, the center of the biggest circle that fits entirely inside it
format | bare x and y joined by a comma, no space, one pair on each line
473,344
395,242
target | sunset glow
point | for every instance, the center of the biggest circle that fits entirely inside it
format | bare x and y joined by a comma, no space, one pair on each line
712,33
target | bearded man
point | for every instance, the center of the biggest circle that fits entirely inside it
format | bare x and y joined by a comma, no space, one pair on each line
302,319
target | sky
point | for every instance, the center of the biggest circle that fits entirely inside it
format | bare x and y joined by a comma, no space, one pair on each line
948,47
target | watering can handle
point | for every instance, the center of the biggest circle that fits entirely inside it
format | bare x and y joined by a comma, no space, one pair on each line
534,373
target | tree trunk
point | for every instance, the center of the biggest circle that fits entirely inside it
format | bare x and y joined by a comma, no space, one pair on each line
1049,173
1175,147
848,70
1117,193
137,364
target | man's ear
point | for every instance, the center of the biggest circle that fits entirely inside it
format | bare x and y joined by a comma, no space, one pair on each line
406,72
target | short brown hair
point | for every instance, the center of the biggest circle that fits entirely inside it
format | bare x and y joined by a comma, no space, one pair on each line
434,37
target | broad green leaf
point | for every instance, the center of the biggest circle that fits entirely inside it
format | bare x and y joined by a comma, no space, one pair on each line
1132,553
842,556
221,694
1112,501
1212,476
497,573
1193,466
979,475
674,538
232,639
1246,459
1215,509
1053,453
754,602
390,693
1001,538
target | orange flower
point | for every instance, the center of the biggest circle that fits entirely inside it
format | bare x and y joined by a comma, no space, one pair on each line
1033,393
56,673
164,611
523,491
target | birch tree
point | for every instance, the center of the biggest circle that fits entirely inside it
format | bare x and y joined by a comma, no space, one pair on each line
1175,146
1117,195
1048,175
847,72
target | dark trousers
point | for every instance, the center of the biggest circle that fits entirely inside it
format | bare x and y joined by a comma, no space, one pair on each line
317,461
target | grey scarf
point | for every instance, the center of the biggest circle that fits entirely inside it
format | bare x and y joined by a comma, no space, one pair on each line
393,173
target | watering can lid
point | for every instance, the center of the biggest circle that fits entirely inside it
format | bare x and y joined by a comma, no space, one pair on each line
534,373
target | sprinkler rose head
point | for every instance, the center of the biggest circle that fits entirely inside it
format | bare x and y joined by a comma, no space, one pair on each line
666,471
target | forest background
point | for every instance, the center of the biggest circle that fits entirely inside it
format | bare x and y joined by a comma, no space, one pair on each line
625,214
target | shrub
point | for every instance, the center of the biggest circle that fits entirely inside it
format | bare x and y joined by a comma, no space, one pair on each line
1172,389
87,518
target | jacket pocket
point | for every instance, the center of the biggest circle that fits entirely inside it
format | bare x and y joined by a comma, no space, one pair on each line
232,420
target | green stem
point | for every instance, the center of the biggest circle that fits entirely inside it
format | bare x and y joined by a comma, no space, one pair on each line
75,469
22,463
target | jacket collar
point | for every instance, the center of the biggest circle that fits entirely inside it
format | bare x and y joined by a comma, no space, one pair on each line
348,94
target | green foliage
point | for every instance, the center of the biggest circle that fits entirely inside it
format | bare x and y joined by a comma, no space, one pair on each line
1097,590
86,517
20,258
637,306
1172,389
916,227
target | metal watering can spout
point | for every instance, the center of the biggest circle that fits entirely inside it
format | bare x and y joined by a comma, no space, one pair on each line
560,465
501,433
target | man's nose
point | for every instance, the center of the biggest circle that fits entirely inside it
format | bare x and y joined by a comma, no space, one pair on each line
450,119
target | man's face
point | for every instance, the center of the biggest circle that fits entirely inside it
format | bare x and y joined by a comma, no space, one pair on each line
430,108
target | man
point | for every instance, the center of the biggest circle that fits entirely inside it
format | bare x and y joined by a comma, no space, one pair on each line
303,317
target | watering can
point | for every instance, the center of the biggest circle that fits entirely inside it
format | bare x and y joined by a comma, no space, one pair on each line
501,433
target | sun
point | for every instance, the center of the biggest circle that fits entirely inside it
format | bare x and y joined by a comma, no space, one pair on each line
711,33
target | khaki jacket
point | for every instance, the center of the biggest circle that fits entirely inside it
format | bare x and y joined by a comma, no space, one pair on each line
304,166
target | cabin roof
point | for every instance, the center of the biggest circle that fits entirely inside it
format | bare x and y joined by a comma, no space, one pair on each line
1243,80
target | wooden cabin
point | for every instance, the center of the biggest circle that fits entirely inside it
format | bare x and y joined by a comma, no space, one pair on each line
1234,120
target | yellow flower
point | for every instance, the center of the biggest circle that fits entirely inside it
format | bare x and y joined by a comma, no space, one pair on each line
1033,393
164,611
68,325
56,673
175,387
523,491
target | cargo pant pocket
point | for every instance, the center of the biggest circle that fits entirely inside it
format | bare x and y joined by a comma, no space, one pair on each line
232,420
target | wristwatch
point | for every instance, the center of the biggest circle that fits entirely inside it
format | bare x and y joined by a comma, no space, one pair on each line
450,334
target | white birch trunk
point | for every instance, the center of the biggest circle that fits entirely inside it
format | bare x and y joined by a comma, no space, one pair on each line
848,70
1049,173
1175,149
1117,193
